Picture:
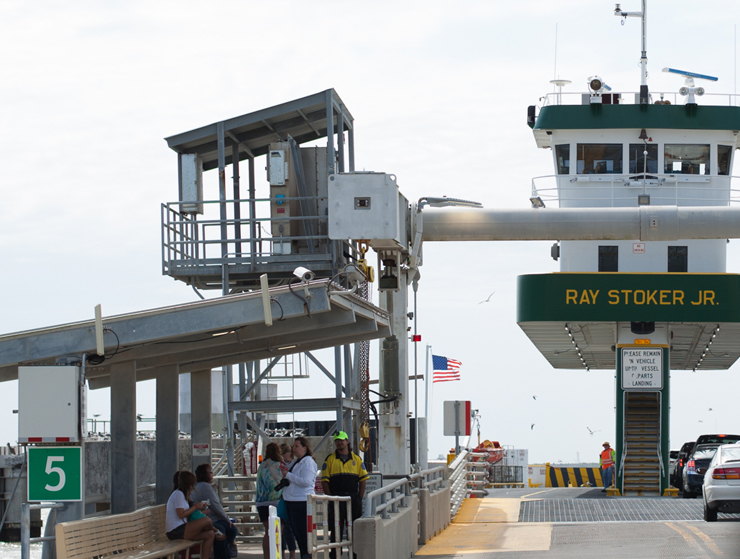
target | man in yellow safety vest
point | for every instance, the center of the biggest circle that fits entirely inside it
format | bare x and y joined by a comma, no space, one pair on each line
606,463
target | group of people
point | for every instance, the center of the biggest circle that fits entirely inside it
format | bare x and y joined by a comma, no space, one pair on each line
289,474
285,479
194,512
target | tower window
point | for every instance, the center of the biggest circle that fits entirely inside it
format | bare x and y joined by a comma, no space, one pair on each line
608,259
562,154
637,158
599,159
687,159
678,259
724,154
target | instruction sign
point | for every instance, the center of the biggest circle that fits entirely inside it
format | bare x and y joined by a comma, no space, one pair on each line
642,369
55,473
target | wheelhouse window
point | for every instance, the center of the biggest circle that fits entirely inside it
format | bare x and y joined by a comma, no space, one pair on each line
562,155
687,159
678,259
599,159
637,158
608,259
724,155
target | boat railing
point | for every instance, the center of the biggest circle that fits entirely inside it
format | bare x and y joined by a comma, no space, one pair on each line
607,190
633,98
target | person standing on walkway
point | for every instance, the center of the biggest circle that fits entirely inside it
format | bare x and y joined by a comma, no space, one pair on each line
298,484
343,474
606,463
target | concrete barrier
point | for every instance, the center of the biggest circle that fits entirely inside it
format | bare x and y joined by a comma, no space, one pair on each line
434,513
391,538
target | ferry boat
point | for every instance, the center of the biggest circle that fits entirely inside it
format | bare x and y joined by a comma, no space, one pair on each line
641,307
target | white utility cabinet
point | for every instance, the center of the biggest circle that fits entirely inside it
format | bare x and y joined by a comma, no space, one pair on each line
49,404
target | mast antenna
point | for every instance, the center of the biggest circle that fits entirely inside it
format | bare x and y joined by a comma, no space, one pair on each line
644,100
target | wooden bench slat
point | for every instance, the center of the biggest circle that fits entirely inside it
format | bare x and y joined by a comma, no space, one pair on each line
135,535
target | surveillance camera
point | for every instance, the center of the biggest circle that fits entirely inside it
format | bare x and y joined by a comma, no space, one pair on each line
304,274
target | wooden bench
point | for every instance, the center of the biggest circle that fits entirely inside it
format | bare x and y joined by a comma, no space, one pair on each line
134,535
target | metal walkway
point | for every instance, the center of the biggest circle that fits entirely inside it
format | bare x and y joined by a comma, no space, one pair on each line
613,510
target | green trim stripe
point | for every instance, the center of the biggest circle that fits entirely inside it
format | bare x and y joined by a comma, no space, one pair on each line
586,117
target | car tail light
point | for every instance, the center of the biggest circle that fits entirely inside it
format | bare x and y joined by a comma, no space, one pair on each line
726,473
691,466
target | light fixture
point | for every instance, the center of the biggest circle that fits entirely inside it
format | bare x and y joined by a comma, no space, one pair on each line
537,202
643,199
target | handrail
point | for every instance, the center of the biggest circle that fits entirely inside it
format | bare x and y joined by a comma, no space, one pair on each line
660,431
399,492
26,539
624,441
553,99
314,546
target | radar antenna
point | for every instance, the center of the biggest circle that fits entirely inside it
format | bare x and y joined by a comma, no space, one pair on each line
689,89
643,59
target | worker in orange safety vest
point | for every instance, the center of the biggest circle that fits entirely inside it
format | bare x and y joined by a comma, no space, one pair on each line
606,463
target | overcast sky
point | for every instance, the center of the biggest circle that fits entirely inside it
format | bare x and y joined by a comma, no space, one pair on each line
439,93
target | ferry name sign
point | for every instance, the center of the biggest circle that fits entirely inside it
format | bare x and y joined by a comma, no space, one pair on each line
606,297
642,368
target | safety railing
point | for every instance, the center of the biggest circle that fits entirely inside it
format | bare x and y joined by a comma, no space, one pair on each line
607,190
633,98
26,539
388,499
458,482
237,498
193,242
477,473
319,540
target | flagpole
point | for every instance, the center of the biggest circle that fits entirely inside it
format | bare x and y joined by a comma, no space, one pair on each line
426,387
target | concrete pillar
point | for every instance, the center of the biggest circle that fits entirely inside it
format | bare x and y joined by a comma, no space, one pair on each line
393,450
123,437
168,390
200,417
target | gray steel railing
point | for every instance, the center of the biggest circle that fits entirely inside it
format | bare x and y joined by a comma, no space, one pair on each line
26,539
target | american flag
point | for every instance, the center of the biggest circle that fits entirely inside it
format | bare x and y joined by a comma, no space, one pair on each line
445,369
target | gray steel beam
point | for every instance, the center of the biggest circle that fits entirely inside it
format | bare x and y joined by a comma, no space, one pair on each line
200,414
123,438
330,133
197,319
341,337
320,366
168,421
338,387
288,406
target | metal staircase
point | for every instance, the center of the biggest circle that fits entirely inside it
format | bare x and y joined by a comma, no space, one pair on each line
641,452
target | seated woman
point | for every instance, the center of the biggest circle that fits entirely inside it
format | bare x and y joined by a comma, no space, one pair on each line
204,491
178,510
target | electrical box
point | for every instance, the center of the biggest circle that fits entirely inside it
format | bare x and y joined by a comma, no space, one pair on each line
368,206
49,404
282,196
191,183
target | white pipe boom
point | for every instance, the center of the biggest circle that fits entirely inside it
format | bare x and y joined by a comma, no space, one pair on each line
645,223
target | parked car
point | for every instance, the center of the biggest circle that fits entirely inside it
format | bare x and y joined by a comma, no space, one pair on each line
721,487
683,457
693,473
673,460
718,439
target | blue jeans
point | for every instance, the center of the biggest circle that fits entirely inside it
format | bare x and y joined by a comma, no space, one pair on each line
606,475
221,548
297,519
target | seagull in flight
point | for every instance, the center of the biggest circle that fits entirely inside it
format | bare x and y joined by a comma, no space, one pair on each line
487,300
710,409
532,427
590,432
534,397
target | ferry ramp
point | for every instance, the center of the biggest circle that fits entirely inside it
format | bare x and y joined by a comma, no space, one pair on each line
560,523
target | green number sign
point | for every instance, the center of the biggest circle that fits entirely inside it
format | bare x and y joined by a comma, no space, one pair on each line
55,473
